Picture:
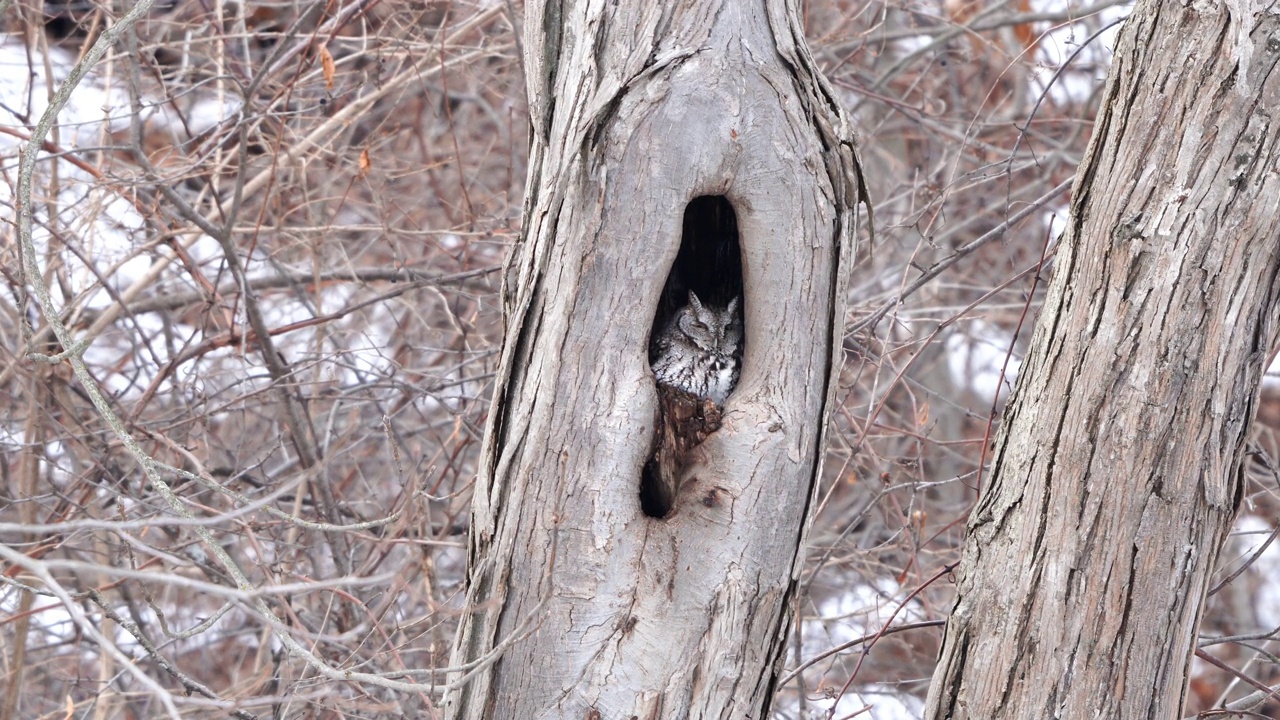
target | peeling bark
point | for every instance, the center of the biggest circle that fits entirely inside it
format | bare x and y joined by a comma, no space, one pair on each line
580,605
1117,471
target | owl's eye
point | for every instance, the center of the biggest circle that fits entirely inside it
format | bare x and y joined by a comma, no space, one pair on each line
698,324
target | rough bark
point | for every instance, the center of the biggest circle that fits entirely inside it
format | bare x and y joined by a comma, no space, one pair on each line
1117,472
580,605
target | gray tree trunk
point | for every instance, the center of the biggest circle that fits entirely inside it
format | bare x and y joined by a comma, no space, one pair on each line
579,604
1117,472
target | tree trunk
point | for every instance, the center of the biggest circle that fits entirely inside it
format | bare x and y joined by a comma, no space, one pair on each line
1117,472
581,605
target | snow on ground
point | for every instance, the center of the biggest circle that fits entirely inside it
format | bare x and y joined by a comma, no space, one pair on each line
978,359
1088,68
97,220
875,702
1247,538
94,219
100,220
861,611
1271,380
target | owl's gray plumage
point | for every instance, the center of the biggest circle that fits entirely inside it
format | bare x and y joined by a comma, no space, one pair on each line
699,350
696,358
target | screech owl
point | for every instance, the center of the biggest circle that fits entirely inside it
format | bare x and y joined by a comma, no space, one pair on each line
699,350
696,359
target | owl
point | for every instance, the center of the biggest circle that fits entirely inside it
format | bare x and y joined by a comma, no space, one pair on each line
696,359
699,350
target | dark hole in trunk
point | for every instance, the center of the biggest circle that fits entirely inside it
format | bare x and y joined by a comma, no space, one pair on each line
709,262
656,501
708,265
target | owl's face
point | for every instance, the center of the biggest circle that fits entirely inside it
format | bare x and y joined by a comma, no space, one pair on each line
714,330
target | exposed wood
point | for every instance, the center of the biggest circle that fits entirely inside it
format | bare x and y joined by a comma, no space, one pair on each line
1116,474
595,609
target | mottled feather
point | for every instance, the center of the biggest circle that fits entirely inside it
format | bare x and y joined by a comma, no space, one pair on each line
696,359
699,350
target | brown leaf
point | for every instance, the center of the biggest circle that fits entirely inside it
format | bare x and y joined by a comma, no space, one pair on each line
326,61
365,163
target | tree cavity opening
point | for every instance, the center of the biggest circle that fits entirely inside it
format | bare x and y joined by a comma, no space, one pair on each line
696,345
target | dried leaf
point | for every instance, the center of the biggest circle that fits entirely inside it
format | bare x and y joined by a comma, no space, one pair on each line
365,163
326,61
918,519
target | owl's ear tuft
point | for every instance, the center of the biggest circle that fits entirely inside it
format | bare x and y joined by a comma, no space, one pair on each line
733,305
707,270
